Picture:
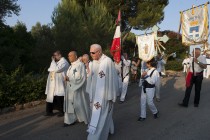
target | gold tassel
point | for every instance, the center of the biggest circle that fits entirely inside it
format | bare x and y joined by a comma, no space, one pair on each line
52,76
193,10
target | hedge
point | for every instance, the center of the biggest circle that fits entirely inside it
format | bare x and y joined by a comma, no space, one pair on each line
18,87
174,65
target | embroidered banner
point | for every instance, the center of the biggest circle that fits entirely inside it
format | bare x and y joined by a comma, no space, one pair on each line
194,24
146,47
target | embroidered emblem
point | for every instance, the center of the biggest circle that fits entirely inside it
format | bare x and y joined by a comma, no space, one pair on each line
97,105
74,71
101,74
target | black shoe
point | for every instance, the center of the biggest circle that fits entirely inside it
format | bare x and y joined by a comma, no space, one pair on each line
121,102
67,125
141,119
156,115
49,114
61,114
182,105
195,105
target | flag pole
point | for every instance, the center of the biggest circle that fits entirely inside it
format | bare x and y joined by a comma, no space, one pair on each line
121,43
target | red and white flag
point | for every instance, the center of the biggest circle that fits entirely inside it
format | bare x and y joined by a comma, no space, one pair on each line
116,45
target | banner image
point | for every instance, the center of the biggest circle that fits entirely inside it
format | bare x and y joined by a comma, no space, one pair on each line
146,47
194,24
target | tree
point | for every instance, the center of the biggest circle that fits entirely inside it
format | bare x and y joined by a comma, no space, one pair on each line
15,47
7,8
137,14
77,27
174,44
44,46
144,14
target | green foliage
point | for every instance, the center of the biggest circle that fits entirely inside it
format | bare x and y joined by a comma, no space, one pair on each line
15,47
7,8
174,65
140,14
147,14
129,44
44,46
174,45
77,27
20,87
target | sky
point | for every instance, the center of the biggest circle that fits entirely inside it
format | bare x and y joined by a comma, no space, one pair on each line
33,11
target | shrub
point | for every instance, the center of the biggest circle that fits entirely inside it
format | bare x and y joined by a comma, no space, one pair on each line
20,87
174,65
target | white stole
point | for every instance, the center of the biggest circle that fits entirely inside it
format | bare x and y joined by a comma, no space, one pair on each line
50,88
99,94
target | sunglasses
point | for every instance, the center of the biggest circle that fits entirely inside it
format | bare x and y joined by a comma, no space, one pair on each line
93,52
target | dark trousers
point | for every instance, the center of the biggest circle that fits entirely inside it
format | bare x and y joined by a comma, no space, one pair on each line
57,104
197,80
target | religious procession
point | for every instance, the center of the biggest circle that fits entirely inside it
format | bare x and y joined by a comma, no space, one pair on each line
101,95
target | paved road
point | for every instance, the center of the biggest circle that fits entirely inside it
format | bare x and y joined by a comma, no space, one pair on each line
175,123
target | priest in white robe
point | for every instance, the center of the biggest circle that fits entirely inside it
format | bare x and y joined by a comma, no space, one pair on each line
76,104
56,86
103,83
87,63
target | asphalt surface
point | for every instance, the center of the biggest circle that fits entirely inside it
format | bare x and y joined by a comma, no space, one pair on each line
174,123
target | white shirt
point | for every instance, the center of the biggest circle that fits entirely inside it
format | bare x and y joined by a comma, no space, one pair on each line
118,68
126,67
160,63
154,77
89,66
197,68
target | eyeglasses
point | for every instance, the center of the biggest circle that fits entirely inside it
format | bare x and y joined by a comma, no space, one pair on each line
93,52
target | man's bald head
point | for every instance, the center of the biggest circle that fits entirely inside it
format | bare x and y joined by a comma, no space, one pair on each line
72,56
73,52
96,51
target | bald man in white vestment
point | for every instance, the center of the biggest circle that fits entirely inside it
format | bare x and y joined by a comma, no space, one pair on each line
103,87
76,102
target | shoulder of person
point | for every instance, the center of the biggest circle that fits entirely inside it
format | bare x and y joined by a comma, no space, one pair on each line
80,64
202,58
108,59
155,73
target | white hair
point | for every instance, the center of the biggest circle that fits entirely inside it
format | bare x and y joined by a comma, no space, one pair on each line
96,46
